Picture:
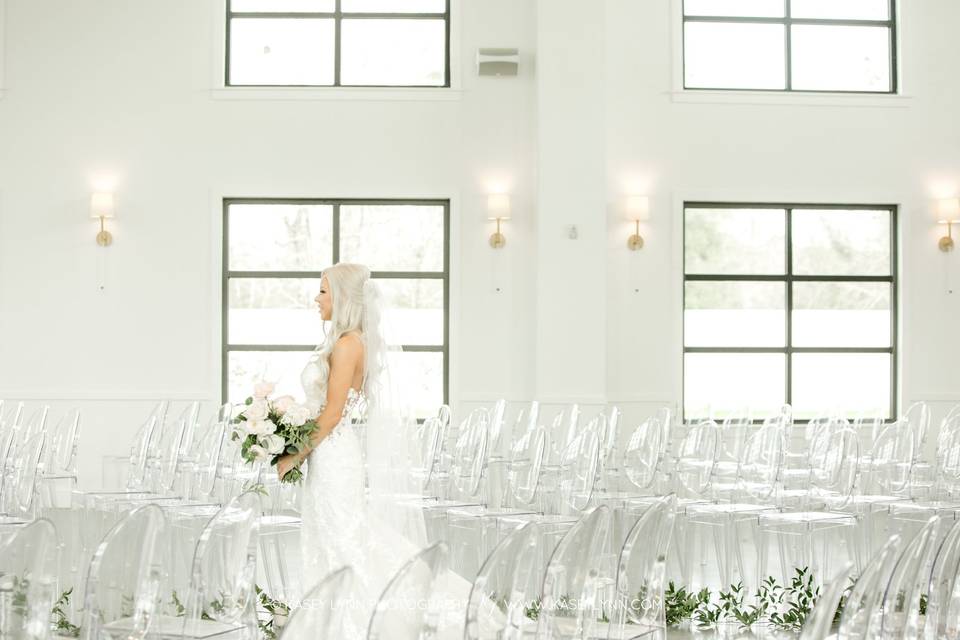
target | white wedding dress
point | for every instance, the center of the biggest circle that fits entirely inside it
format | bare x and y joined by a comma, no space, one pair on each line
338,528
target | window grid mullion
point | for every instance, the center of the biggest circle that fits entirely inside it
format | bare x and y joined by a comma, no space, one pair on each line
336,228
788,236
894,80
827,22
337,34
788,49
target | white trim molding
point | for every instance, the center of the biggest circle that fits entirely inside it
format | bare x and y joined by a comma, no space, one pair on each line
341,94
792,98
90,395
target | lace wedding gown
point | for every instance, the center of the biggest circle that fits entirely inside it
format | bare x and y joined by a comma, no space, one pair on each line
338,528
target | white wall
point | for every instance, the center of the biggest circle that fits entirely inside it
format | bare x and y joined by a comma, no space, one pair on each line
112,87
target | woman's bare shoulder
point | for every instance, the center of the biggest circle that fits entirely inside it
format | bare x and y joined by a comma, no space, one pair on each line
349,346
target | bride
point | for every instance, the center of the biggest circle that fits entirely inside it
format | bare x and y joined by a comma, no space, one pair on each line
340,525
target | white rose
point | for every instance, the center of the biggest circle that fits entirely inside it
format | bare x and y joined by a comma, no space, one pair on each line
283,404
259,453
261,427
274,444
279,620
256,411
296,415
263,389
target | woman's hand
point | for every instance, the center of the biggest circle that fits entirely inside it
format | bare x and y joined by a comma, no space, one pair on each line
288,462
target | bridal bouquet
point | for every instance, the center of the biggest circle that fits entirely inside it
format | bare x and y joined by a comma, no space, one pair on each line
271,428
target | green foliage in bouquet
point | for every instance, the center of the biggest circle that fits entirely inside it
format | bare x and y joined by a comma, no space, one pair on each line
270,429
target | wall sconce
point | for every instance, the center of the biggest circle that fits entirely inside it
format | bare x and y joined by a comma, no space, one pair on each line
949,212
498,208
101,206
638,208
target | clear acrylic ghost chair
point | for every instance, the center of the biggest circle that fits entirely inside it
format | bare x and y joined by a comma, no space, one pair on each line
527,494
424,447
608,474
198,477
163,480
860,619
734,431
145,447
901,604
221,600
947,487
472,531
922,472
36,423
320,614
807,536
12,446
397,615
121,596
883,478
28,581
441,478
195,447
496,465
578,472
942,620
19,498
562,431
191,425
730,523
466,471
59,477
820,622
638,601
506,585
639,465
574,582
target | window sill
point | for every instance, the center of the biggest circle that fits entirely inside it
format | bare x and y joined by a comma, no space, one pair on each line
373,94
706,96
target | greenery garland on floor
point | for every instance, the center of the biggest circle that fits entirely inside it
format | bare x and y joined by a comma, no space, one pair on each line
785,608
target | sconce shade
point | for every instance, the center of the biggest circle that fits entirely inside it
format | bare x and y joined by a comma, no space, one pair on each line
637,207
498,206
948,210
101,205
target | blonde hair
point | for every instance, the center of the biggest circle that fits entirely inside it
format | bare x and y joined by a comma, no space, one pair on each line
346,283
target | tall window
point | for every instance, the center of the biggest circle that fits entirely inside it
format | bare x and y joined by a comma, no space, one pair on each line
273,254
790,45
357,43
789,303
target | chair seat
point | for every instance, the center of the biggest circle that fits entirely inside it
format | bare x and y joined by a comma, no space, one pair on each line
173,627
713,511
806,517
480,511
922,510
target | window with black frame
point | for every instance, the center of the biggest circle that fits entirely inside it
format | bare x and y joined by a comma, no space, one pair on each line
274,251
790,45
338,43
789,304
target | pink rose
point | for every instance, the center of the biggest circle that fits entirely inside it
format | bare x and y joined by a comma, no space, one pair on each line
283,403
263,389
